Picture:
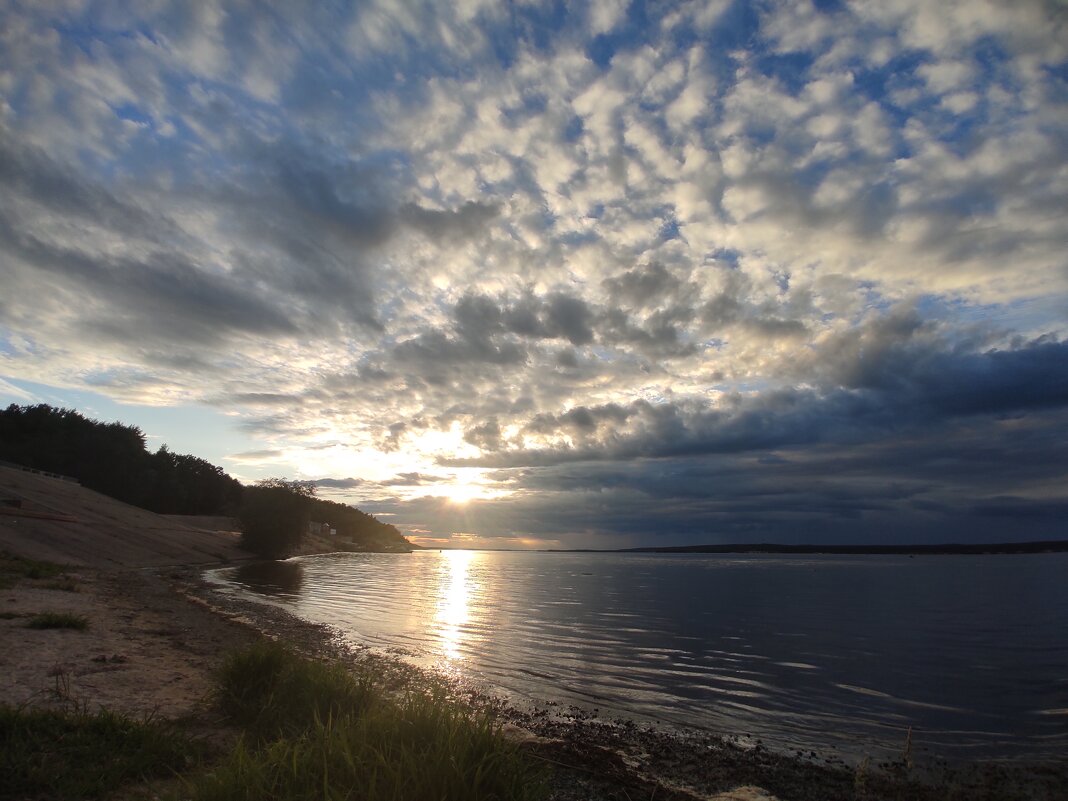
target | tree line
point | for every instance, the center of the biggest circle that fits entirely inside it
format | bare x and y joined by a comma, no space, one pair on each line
112,459
275,513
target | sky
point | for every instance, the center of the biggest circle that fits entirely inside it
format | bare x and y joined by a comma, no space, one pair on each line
558,274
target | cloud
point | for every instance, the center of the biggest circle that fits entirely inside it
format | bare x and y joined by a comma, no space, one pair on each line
16,392
256,455
904,386
620,261
339,483
468,220
904,488
414,480
485,436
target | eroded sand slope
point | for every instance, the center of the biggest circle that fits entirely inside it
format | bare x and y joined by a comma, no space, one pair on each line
60,521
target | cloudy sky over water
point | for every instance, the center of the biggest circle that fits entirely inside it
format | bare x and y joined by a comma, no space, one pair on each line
558,274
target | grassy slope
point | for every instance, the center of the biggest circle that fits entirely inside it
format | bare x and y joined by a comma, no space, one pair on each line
308,729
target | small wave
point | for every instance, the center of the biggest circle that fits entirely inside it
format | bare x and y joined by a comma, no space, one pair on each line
896,700
865,691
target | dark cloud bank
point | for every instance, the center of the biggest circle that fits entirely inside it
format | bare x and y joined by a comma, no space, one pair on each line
916,443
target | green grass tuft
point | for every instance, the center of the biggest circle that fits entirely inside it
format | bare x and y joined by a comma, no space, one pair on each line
58,620
271,691
75,754
13,568
343,738
394,755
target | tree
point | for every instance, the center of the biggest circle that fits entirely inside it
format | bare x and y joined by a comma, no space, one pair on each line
111,458
274,515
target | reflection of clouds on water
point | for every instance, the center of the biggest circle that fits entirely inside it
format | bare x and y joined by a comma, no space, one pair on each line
271,578
453,601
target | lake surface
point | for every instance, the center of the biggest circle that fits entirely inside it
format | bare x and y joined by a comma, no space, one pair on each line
807,652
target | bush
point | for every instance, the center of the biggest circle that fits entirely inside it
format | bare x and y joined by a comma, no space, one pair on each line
273,516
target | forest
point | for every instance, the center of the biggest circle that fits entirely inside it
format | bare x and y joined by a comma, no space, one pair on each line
111,458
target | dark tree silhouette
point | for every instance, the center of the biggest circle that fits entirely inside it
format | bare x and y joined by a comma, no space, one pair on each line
111,458
274,515
365,531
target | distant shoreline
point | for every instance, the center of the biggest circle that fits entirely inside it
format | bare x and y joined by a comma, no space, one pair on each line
945,549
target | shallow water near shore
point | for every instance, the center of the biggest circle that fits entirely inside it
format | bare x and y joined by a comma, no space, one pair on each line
827,653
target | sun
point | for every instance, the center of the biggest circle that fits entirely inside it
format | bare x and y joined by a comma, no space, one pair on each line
459,494
467,484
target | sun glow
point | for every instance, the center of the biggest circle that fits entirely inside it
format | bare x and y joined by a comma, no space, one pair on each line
460,494
467,486
411,471
453,601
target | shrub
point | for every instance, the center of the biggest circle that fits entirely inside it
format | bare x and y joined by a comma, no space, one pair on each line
273,517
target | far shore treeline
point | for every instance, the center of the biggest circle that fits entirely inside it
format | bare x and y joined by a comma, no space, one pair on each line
111,458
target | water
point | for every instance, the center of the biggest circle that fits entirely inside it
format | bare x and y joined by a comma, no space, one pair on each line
806,652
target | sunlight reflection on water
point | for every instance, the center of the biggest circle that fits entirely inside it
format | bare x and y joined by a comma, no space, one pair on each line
805,652
454,595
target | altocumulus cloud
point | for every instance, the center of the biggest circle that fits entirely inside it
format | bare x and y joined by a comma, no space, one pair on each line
623,272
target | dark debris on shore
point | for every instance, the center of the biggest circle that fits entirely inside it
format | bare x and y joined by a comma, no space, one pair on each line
594,759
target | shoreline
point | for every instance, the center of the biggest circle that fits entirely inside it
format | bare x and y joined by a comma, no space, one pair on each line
779,549
592,758
158,634
609,755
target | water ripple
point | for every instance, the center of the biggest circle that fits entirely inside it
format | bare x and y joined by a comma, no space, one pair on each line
834,653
